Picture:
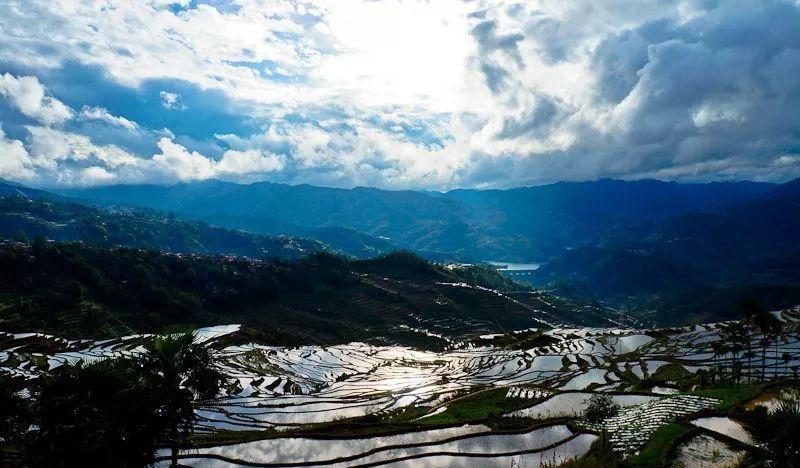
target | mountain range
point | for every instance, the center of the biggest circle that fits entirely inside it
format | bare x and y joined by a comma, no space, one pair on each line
694,266
669,252
26,215
522,224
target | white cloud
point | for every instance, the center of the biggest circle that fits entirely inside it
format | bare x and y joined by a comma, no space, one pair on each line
360,155
96,175
53,156
15,163
29,96
49,146
249,162
171,100
99,113
179,163
176,163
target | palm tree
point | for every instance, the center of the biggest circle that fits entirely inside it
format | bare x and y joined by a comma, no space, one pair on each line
779,434
748,310
735,334
718,347
750,354
778,336
786,358
764,342
769,327
181,373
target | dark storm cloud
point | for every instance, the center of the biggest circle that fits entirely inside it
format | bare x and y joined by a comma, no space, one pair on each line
714,96
485,33
539,119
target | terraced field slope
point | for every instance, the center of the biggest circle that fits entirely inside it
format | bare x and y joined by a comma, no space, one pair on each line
358,404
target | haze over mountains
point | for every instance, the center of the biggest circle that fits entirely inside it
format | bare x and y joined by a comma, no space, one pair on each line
523,224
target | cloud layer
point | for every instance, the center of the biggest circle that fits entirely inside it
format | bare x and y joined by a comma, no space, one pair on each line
398,93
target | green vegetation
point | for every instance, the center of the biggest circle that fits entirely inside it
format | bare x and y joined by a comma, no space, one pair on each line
15,418
477,406
487,276
99,415
731,396
181,373
23,218
224,437
112,413
403,264
82,291
599,408
776,431
600,455
674,375
671,372
655,451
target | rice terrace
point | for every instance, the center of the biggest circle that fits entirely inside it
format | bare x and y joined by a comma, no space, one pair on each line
478,402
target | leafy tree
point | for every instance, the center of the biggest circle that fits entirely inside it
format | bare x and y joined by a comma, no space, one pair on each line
95,415
181,373
600,407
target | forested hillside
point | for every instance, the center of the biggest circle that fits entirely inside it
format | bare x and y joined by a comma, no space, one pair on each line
26,218
91,291
691,267
520,224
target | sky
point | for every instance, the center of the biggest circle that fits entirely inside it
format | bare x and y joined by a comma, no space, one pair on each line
398,94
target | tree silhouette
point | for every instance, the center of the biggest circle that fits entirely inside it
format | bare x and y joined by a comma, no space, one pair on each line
96,415
767,324
600,407
181,373
779,433
733,335
748,309
776,340
718,347
786,358
15,415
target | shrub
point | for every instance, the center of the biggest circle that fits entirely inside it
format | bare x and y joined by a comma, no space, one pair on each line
600,407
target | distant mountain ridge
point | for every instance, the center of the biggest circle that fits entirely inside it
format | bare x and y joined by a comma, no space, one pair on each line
705,261
680,252
522,224
26,214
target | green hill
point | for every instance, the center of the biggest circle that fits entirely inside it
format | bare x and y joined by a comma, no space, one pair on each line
26,218
83,290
